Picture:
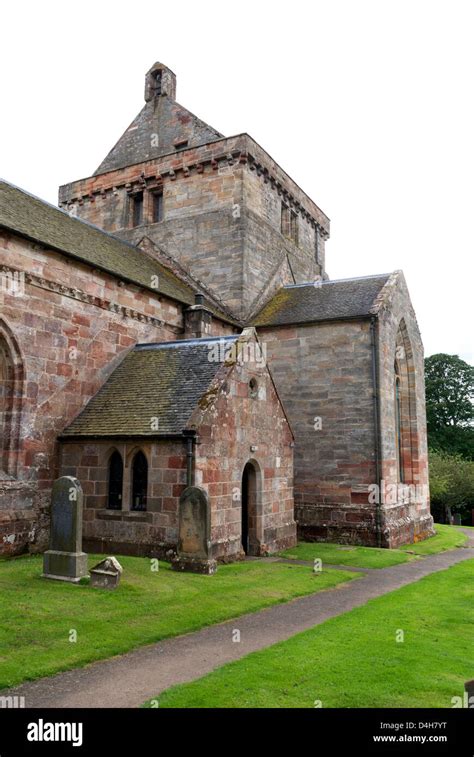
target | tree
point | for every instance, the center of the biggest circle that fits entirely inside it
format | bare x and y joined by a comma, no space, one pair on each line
451,486
449,404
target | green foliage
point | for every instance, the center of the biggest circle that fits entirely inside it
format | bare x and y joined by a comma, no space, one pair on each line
451,485
449,407
455,440
449,391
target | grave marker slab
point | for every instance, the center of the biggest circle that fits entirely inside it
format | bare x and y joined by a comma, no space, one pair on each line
106,574
194,533
65,560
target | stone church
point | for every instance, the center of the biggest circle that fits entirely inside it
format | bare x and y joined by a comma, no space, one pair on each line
172,323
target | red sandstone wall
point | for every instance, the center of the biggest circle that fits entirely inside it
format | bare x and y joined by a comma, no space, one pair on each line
127,531
323,374
234,429
403,521
222,216
67,345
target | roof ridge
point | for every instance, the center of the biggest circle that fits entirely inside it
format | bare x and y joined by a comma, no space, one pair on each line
319,283
144,346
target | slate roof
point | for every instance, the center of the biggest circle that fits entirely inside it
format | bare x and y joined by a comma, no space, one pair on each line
329,300
164,381
38,220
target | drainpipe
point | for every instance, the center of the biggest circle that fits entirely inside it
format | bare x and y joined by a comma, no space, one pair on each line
190,436
377,439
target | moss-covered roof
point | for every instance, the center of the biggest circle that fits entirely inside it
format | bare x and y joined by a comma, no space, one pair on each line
38,220
155,381
321,301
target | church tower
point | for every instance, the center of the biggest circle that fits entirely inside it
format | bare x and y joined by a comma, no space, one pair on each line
219,206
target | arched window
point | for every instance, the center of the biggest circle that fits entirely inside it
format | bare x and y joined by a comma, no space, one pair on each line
11,391
139,481
4,405
398,422
114,501
405,421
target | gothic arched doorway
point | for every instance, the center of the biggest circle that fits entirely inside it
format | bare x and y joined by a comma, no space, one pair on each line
251,518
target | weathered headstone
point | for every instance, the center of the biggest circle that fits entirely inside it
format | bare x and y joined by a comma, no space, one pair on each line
106,574
194,542
65,560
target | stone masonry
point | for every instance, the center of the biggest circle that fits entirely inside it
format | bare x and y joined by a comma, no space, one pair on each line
183,233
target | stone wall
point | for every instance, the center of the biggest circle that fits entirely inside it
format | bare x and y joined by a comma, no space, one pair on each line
233,427
152,532
323,372
65,344
222,217
399,338
323,375
243,425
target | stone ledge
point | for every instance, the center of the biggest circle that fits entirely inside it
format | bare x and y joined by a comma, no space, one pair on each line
125,516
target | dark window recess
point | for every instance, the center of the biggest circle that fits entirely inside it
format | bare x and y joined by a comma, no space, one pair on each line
398,428
289,223
137,209
157,83
157,207
285,220
181,144
114,501
253,388
139,481
294,227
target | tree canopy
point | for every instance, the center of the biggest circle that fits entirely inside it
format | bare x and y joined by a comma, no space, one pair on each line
449,404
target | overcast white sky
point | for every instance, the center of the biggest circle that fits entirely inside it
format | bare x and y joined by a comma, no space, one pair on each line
367,104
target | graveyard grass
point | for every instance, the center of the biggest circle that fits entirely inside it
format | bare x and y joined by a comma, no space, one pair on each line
354,660
447,537
37,615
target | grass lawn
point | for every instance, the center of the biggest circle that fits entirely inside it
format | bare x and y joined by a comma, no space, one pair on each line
447,537
36,615
354,660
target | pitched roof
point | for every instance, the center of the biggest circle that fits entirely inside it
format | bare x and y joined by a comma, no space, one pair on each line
154,132
164,381
38,220
323,301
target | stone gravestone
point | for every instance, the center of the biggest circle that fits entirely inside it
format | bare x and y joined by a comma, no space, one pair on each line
106,574
194,533
65,559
